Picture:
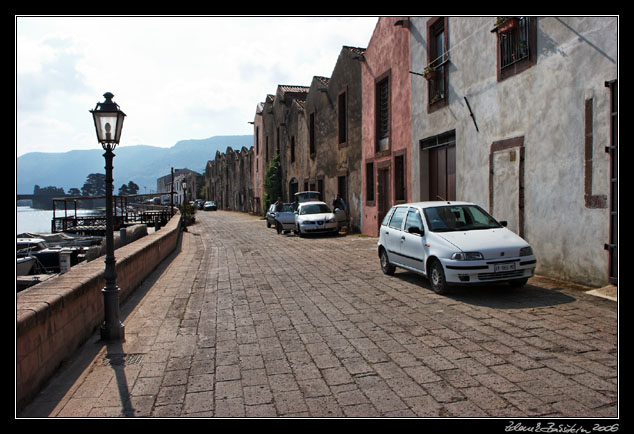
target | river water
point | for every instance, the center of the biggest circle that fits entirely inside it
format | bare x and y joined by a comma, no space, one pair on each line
38,221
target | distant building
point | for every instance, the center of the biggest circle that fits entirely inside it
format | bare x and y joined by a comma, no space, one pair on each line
229,180
172,183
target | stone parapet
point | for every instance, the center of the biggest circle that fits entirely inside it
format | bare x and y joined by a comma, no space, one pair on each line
55,317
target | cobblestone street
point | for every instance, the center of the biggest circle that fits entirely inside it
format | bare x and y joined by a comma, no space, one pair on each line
243,322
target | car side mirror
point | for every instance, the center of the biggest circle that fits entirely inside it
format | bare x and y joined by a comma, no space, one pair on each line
504,223
416,230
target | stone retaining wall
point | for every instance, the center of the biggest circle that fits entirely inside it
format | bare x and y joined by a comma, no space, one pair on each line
55,317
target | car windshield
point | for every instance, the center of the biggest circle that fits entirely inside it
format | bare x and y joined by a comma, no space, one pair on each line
459,218
286,208
316,208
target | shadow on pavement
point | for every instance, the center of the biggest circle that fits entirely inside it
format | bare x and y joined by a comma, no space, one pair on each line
495,295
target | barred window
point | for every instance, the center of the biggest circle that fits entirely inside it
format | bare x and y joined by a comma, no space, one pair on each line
516,45
382,115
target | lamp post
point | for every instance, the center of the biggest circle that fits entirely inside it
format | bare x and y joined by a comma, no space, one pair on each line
184,186
108,123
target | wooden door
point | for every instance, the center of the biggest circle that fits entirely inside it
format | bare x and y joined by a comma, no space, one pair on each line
383,194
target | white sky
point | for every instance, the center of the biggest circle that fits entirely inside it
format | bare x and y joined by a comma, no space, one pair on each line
174,77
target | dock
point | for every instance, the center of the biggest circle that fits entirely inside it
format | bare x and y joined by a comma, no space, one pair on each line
128,210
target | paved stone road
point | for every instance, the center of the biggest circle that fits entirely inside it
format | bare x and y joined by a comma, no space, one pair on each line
244,322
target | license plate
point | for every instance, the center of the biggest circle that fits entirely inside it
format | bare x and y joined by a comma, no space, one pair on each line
500,268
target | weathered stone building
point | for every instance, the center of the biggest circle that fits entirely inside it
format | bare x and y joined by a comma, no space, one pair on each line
229,180
317,132
258,171
518,121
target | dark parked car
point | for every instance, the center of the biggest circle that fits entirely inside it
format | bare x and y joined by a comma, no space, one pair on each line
210,206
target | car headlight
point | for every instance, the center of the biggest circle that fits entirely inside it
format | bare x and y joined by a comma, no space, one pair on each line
526,251
467,256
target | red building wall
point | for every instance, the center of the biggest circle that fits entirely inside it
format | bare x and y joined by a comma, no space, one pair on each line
387,55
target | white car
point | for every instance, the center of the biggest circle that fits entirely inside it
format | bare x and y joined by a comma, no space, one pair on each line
453,243
315,217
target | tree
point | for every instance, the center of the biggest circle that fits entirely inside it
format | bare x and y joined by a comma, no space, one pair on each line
128,189
43,197
272,182
49,191
74,192
132,188
95,185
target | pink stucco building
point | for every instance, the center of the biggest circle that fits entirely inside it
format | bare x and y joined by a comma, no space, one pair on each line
386,130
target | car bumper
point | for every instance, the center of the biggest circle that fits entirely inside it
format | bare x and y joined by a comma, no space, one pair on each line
489,270
313,228
287,226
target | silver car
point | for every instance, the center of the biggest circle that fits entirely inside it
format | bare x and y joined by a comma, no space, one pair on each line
315,217
453,243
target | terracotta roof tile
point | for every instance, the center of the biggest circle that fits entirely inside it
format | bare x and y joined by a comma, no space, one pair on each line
322,80
356,50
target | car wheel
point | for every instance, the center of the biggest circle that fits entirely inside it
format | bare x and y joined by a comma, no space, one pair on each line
386,267
278,226
437,278
299,232
268,224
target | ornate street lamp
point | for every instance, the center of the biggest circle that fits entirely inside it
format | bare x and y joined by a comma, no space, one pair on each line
184,216
108,123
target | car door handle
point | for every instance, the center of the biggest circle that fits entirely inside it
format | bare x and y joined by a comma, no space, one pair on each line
403,238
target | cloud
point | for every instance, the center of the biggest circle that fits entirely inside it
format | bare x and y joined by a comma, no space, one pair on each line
175,77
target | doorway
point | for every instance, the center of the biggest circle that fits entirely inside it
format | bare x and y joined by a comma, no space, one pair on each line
383,193
441,151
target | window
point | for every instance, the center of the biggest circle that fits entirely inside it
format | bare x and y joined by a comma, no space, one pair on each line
382,95
388,214
369,182
397,218
278,139
342,117
459,218
266,157
311,133
437,57
516,45
399,178
257,140
413,220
